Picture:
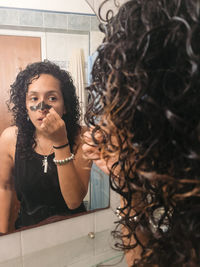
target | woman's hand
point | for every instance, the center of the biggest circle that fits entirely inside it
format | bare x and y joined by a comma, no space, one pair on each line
92,151
54,128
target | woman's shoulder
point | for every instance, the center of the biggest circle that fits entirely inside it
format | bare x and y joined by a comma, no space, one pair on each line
10,134
8,139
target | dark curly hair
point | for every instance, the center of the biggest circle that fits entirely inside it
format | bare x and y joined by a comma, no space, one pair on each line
17,103
146,93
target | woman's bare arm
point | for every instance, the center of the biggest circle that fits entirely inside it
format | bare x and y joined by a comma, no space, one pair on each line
7,151
73,176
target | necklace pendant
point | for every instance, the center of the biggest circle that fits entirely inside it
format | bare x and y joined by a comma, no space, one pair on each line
45,164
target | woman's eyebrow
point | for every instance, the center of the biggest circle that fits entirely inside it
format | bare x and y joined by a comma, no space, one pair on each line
32,93
52,91
36,92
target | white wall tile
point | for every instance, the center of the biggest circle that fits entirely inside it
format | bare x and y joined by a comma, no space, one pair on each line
10,247
12,263
62,255
83,263
56,233
60,45
105,219
96,38
113,258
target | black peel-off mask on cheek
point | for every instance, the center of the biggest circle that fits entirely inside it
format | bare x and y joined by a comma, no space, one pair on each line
40,106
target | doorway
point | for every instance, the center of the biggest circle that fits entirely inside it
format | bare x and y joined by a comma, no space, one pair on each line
15,53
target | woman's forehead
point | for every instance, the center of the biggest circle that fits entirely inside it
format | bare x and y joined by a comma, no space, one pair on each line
45,83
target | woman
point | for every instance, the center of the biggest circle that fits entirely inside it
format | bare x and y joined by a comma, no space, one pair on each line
41,155
145,128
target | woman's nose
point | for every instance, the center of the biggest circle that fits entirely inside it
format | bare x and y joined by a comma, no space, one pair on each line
43,106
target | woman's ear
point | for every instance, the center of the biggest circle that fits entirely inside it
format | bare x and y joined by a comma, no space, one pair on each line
64,112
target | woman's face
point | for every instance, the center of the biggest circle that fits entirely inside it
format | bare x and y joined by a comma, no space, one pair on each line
44,93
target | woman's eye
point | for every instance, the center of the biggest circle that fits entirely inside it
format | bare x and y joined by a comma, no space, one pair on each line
52,98
33,98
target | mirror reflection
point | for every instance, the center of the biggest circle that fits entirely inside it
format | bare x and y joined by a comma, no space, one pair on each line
39,181
43,149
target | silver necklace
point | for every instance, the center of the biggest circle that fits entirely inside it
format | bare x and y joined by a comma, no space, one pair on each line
45,159
45,163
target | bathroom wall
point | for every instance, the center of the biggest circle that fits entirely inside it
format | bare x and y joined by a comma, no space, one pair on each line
84,241
75,6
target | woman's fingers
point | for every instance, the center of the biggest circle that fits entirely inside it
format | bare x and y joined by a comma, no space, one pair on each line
87,138
90,152
93,138
53,126
51,118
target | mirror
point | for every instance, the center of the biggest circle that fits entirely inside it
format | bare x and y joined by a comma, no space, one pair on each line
66,39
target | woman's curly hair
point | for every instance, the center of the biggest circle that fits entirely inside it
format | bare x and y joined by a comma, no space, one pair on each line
146,93
17,104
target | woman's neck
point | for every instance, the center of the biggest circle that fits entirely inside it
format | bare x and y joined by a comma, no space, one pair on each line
40,136
43,144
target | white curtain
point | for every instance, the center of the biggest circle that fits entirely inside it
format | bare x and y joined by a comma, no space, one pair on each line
76,68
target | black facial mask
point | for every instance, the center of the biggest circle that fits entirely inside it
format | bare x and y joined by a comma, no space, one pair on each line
40,106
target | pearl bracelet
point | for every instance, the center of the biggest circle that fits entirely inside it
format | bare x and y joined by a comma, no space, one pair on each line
63,161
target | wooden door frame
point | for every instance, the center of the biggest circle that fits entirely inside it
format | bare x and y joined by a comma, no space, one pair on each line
42,36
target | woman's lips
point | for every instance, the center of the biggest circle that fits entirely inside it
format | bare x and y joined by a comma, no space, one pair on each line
40,120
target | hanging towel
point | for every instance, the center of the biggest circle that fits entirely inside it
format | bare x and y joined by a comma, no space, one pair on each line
76,68
91,60
99,189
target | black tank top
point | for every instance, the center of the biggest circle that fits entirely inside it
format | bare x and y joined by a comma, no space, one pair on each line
38,192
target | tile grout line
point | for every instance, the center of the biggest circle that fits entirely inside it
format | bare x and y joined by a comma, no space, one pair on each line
22,257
